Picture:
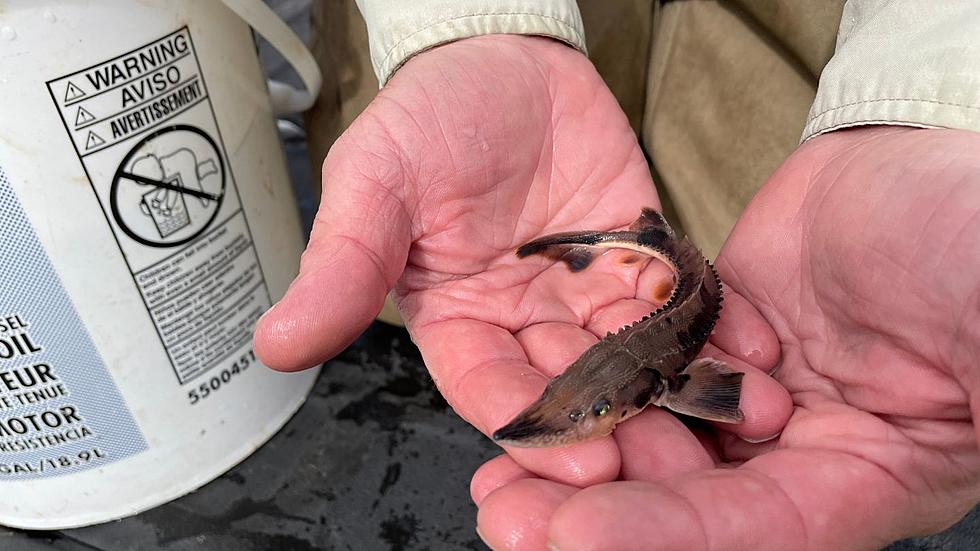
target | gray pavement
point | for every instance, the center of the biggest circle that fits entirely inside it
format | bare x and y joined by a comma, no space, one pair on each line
374,460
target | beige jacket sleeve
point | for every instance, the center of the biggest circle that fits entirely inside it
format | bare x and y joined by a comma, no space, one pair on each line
399,29
906,62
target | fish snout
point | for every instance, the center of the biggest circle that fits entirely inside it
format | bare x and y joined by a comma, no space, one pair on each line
528,431
533,430
521,428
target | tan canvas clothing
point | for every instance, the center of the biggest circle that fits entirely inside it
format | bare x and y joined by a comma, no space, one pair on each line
902,62
725,103
398,29
720,92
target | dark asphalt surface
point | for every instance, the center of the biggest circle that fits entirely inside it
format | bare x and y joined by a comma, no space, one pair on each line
375,460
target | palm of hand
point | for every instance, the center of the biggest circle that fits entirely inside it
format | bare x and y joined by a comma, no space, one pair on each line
861,252
870,241
491,327
471,150
479,146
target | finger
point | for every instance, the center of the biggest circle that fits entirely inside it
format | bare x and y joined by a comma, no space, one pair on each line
708,438
484,374
653,287
655,445
736,449
582,464
766,405
613,275
516,516
563,295
788,499
494,474
655,283
615,316
357,250
644,515
552,346
743,333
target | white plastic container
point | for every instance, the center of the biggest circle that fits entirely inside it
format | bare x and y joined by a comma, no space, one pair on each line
146,221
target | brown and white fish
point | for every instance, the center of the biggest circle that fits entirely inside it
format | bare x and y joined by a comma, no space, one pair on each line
651,361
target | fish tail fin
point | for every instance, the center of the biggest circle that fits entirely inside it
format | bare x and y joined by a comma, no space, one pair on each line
650,231
707,389
652,220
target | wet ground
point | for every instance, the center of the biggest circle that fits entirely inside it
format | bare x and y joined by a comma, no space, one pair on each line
374,460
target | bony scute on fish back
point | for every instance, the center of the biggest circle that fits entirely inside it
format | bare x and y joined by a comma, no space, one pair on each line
652,361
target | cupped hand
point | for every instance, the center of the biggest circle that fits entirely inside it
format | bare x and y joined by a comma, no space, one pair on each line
863,252
472,149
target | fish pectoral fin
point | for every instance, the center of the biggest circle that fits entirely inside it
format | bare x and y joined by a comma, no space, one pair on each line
577,257
707,389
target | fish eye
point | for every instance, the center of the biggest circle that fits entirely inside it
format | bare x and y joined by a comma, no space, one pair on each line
601,408
576,415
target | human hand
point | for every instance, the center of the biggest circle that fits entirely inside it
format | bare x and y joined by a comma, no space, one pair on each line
863,252
472,149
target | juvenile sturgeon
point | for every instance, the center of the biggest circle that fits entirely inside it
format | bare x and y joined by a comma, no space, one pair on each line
651,361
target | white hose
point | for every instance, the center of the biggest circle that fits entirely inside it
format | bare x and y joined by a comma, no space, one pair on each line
285,98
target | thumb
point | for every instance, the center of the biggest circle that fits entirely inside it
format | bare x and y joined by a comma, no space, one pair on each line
788,499
357,251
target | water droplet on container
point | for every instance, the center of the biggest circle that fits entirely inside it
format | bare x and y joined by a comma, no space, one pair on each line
49,16
7,33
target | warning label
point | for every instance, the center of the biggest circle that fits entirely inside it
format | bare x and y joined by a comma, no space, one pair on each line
205,299
144,128
163,174
109,102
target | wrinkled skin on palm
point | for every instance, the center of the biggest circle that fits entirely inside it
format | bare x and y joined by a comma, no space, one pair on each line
856,263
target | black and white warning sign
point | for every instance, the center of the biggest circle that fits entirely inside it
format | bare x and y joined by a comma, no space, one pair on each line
143,125
169,187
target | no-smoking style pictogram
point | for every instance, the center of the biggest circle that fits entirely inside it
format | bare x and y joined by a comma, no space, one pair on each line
169,188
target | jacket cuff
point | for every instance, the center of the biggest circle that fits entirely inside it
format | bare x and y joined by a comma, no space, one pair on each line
903,62
397,29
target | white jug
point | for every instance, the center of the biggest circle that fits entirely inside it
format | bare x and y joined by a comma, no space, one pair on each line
146,222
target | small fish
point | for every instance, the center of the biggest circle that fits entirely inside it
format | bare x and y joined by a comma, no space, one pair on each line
651,361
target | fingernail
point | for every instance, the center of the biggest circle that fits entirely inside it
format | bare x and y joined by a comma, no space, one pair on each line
751,355
552,546
483,539
760,440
